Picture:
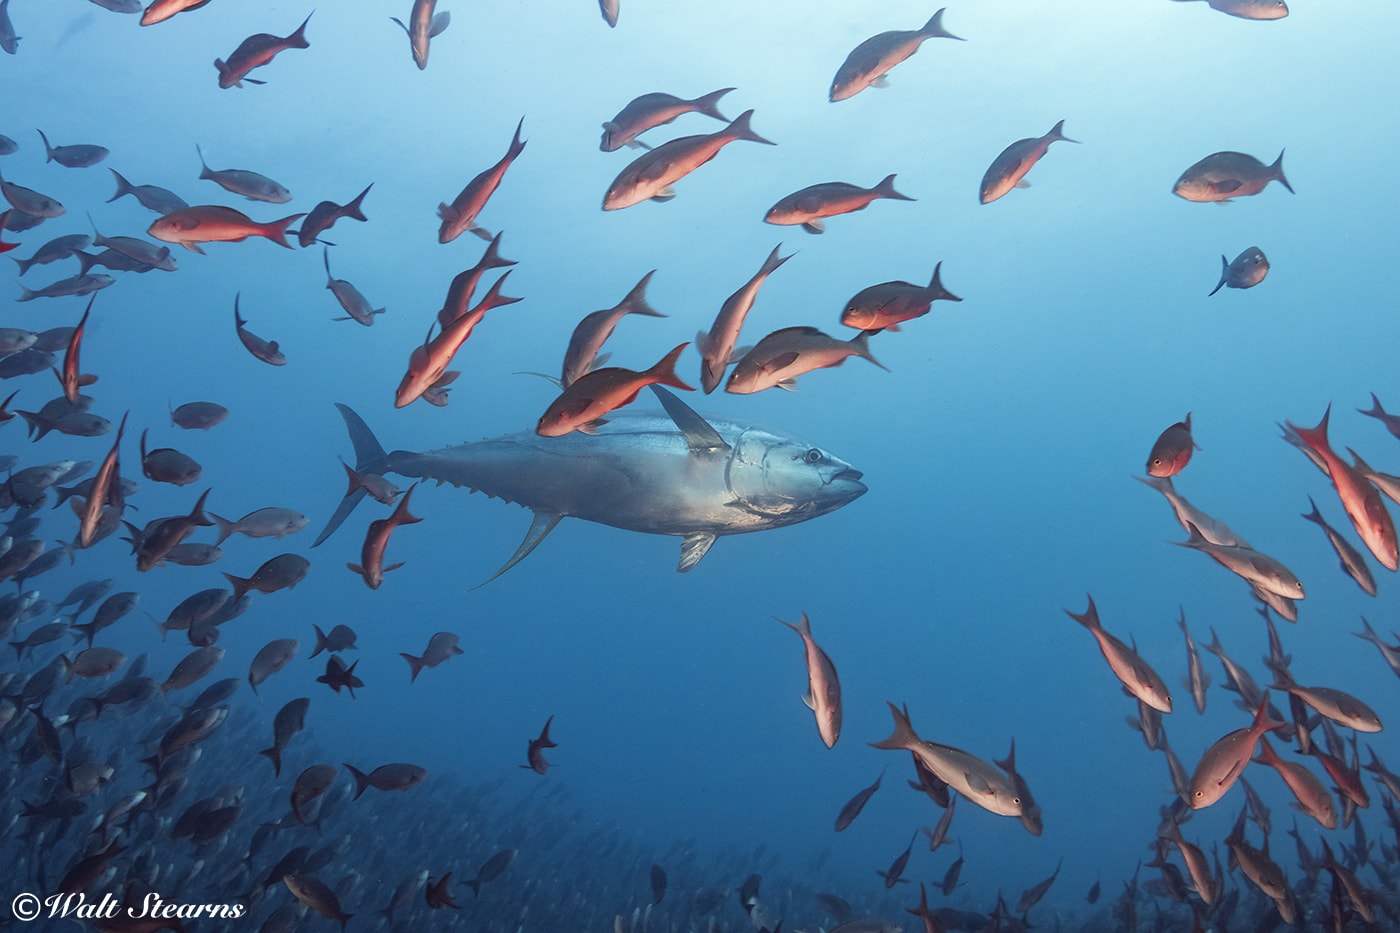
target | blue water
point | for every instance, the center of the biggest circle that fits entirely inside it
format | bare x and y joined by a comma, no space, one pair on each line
999,449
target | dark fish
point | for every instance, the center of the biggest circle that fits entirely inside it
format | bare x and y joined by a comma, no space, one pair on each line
256,51
314,894
337,675
168,465
807,207
326,213
81,155
341,638
270,659
290,720
1172,450
152,197
1353,564
310,784
282,572
54,250
534,755
265,350
1032,895
397,776
868,62
1221,176
653,110
1377,411
491,869
950,877
1247,271
1008,170
198,415
658,883
437,892
889,304
896,871
852,808
441,646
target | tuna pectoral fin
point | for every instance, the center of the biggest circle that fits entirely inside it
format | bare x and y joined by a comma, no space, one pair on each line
543,523
693,548
700,436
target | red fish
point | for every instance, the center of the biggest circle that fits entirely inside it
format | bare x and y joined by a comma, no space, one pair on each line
377,540
1361,500
1172,450
460,216
6,247
582,405
427,366
534,754
71,378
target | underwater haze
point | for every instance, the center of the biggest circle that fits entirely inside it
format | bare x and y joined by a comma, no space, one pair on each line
1000,438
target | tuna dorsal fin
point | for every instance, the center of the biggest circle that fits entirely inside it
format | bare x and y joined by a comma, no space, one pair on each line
694,547
540,527
700,436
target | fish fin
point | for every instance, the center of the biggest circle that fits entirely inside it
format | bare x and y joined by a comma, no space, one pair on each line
880,82
708,104
395,19
1225,187
1224,274
976,782
1277,169
885,189
700,435
540,527
254,81
635,144
1023,184
814,226
439,24
446,214
788,385
192,247
811,704
591,427
693,548
481,232
664,195
933,29
781,361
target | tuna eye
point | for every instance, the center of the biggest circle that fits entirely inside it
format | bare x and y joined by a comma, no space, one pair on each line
814,456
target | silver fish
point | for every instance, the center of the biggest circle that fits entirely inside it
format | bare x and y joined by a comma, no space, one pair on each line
653,110
423,26
1250,9
678,475
1221,176
868,62
250,185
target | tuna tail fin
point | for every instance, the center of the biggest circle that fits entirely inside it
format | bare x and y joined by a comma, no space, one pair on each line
885,189
740,129
1224,274
1277,169
903,735
369,458
708,104
933,29
354,210
297,40
123,186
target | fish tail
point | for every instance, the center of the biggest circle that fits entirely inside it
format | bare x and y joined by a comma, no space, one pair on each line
320,640
636,300
935,284
708,104
517,145
48,150
740,129
276,231
203,166
773,261
123,186
492,258
885,189
355,209
802,627
861,342
1375,411
933,29
36,423
241,585
903,735
226,528
361,779
1315,437
273,755
1089,618
297,40
24,293
1057,134
1315,516
369,458
1224,274
664,371
1277,169
23,264
415,666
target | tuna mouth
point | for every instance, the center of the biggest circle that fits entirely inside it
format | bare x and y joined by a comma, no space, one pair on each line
847,475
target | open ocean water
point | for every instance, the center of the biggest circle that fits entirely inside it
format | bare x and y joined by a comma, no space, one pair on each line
999,450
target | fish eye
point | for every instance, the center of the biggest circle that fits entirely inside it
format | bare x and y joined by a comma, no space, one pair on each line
1016,801
1199,794
814,456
